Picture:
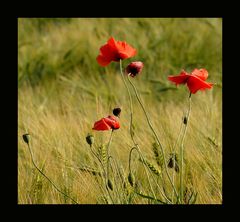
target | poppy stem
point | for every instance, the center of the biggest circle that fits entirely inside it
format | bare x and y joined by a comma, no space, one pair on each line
155,134
108,163
129,159
121,178
131,128
105,173
144,164
109,142
182,149
131,104
53,184
174,153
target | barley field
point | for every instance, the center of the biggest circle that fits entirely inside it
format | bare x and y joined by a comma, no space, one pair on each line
63,91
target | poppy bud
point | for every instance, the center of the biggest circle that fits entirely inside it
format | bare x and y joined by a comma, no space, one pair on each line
134,68
26,138
90,139
117,112
185,120
109,184
173,162
170,163
131,179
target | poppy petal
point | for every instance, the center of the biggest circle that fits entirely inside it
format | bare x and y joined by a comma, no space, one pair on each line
107,50
112,43
180,79
127,49
131,51
101,125
114,51
112,122
103,61
195,83
123,55
124,50
201,73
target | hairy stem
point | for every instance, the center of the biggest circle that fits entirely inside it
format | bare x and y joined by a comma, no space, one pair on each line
174,153
182,150
155,134
105,173
53,184
142,159
131,104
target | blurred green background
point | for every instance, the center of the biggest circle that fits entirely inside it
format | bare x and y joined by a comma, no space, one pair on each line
50,47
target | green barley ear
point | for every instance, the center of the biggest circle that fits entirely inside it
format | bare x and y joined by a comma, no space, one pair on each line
131,179
26,138
193,198
109,184
153,168
90,170
103,153
90,139
158,156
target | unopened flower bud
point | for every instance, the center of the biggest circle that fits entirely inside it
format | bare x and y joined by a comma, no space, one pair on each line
109,184
117,112
185,120
134,68
170,163
131,179
26,138
90,139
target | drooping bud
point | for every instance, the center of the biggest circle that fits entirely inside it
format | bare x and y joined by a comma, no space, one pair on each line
26,138
109,184
90,139
185,120
170,162
117,111
173,162
134,68
131,179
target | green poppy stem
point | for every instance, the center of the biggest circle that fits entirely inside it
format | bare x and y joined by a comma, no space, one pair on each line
131,132
105,179
131,104
53,184
155,134
174,153
131,123
182,150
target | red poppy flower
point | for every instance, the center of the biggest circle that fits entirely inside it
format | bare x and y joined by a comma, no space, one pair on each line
114,51
195,80
107,123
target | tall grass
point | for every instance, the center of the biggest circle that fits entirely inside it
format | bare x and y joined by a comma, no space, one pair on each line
62,91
